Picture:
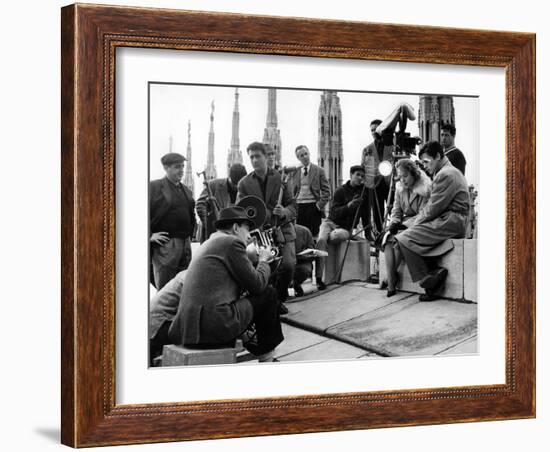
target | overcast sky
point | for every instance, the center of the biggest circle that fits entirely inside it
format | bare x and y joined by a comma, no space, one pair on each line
172,106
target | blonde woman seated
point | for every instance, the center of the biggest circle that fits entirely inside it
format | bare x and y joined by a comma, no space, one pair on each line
411,194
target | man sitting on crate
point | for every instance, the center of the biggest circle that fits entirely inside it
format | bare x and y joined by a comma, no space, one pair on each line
223,294
445,216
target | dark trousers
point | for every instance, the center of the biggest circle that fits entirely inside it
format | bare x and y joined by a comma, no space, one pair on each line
419,266
285,271
159,340
170,259
377,197
267,322
302,272
310,217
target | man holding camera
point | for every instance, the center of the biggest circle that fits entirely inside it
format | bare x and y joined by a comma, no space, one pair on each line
445,216
267,184
212,311
349,204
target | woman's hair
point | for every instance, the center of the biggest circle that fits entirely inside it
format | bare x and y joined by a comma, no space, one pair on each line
410,167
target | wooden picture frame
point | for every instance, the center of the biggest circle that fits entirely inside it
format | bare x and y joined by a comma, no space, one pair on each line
90,37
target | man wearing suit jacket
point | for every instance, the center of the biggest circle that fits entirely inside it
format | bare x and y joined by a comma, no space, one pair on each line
311,190
224,192
266,183
172,221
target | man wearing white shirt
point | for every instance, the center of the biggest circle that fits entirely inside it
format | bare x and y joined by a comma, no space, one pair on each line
311,190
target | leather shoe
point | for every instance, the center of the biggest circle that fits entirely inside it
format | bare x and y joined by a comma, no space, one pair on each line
428,296
298,291
320,284
391,293
435,279
283,309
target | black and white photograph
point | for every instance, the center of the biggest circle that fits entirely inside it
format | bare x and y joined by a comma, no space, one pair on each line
291,225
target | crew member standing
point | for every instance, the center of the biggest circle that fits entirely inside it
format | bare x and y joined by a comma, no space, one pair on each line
455,155
172,221
311,190
224,192
378,185
266,184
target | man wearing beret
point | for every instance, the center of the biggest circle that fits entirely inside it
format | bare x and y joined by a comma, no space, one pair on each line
172,221
223,294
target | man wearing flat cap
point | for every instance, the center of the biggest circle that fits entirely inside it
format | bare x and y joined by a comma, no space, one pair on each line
172,221
223,294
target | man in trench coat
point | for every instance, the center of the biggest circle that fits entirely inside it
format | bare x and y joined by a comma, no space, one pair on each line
445,216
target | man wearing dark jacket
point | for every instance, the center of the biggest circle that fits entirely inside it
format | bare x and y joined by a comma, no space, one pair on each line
267,184
213,311
172,221
378,185
224,192
455,155
339,224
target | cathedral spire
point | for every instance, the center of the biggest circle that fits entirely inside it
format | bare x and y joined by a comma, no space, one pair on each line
234,154
188,177
210,166
330,138
272,135
272,108
433,112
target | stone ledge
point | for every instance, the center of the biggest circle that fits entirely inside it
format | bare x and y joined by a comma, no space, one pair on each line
357,265
461,283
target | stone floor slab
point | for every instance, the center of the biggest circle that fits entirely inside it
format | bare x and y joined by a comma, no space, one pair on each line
296,339
341,304
468,347
411,328
328,350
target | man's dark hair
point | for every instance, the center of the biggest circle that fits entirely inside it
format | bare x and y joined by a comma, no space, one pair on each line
432,148
256,146
376,122
355,168
449,128
236,172
299,147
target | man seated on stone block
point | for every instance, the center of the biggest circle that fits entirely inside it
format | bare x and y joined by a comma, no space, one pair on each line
445,216
349,203
223,294
162,309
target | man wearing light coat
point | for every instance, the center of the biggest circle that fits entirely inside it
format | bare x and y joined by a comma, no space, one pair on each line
445,216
